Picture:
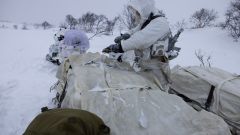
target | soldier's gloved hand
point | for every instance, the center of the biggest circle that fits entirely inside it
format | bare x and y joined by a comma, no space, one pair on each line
122,37
116,56
116,48
60,38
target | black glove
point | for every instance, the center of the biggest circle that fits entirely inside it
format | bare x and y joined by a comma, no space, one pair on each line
60,38
118,39
116,48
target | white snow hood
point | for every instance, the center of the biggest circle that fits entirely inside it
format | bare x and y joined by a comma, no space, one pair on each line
144,7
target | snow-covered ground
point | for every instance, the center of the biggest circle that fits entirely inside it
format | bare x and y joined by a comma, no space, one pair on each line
25,76
213,42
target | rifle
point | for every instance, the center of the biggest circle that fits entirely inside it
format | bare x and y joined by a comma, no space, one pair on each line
173,40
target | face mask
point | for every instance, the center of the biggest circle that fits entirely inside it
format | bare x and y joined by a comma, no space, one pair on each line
135,14
137,17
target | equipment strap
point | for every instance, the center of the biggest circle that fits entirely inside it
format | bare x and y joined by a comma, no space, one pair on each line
210,97
63,94
150,18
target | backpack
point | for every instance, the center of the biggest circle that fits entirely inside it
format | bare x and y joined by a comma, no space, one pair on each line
67,122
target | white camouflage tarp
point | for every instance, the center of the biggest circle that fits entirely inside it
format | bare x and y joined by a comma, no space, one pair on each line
195,83
129,103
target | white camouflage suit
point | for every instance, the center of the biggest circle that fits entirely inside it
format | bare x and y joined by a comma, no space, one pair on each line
144,43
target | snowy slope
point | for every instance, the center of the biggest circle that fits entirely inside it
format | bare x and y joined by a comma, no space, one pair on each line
26,77
214,42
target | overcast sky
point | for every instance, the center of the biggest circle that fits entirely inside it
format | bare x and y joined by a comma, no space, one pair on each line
54,11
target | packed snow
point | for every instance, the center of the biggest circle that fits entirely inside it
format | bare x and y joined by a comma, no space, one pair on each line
25,77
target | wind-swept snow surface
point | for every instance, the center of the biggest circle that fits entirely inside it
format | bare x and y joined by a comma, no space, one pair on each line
213,42
25,77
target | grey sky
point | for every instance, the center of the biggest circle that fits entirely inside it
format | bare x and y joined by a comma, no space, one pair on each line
54,11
